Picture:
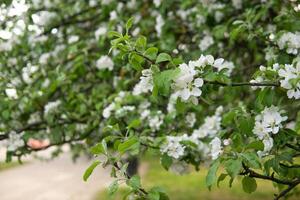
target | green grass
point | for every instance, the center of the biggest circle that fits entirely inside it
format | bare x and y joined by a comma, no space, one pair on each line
192,186
6,166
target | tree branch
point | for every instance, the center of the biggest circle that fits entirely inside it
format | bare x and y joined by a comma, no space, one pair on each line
287,190
290,183
273,84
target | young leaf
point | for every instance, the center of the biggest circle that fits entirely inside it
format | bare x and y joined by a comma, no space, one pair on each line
113,188
166,161
211,177
151,53
163,80
221,178
233,167
129,24
251,159
130,144
134,182
162,57
97,149
90,170
249,184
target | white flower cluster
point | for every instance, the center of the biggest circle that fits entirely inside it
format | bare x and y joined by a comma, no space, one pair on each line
159,24
155,118
290,42
210,128
262,78
291,80
113,106
216,148
187,85
14,141
146,83
11,93
289,75
101,31
124,110
51,106
221,64
211,125
27,73
105,62
190,119
43,18
268,122
108,110
173,147
206,42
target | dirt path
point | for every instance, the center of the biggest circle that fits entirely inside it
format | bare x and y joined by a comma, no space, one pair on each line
59,179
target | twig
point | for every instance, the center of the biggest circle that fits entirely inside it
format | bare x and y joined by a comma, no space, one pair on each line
273,84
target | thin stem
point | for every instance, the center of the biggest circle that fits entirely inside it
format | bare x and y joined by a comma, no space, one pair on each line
287,190
272,84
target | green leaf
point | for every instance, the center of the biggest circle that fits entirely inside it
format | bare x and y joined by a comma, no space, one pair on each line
249,184
211,177
114,34
233,167
221,178
141,43
162,81
134,182
257,145
134,123
251,159
153,195
245,124
151,53
130,144
97,149
113,188
90,170
129,24
163,57
166,161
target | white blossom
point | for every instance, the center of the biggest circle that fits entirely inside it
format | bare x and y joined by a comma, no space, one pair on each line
211,125
289,74
173,148
105,62
268,144
216,148
100,32
15,141
27,73
146,83
159,24
107,111
11,93
290,41
190,119
51,106
221,64
156,120
206,42
124,110
157,2
237,4
186,86
43,18
268,122
73,39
